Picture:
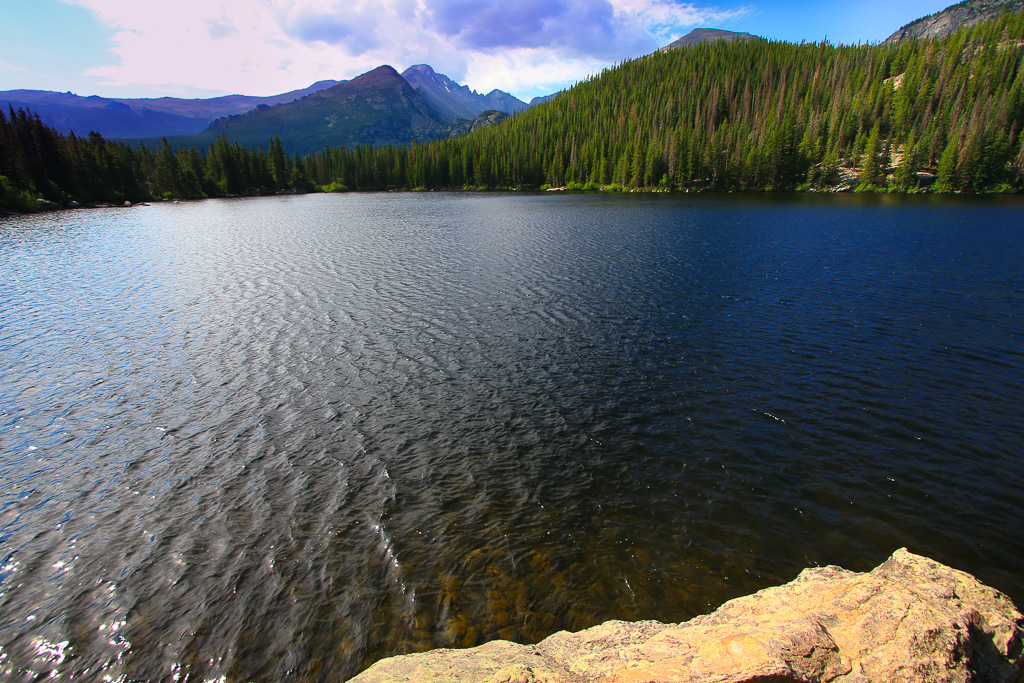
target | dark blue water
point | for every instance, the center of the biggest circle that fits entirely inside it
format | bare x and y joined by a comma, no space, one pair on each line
280,437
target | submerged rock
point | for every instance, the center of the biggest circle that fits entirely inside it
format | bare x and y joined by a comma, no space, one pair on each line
910,619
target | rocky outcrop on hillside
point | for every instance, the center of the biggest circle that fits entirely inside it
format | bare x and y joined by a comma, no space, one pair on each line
488,119
541,100
485,120
910,619
950,19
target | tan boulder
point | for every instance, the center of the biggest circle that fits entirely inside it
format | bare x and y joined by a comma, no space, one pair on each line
910,619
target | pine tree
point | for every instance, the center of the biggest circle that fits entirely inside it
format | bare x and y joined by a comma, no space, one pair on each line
871,173
946,180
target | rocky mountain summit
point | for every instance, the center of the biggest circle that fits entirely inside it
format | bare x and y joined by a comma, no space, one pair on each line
454,101
950,19
910,619
707,35
376,108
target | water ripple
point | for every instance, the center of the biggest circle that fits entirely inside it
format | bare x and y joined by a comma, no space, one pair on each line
284,437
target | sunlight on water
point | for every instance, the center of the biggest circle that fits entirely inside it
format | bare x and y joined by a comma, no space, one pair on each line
285,437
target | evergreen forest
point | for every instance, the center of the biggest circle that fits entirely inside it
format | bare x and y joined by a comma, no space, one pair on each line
943,115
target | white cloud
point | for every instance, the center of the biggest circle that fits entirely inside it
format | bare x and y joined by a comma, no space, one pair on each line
262,47
664,19
7,66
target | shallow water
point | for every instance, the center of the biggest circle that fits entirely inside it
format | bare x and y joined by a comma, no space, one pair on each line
289,436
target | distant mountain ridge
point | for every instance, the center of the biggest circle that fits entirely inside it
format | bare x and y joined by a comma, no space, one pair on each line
947,21
454,101
326,113
376,108
699,36
139,117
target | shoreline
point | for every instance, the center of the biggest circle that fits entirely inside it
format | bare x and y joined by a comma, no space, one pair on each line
47,206
909,619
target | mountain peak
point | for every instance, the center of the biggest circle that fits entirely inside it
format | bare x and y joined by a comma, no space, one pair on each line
381,76
382,71
453,101
424,69
322,85
699,36
375,108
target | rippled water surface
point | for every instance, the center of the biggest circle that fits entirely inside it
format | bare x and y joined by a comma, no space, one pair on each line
288,436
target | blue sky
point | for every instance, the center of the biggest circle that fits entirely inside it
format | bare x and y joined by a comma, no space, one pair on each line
202,48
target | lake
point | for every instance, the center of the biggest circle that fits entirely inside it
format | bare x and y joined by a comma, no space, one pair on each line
257,438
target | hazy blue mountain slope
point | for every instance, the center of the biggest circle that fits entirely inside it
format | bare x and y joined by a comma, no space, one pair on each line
138,117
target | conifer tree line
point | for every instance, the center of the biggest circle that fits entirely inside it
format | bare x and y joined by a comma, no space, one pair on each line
744,115
37,162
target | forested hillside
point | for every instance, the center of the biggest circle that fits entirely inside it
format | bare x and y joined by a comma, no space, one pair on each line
754,115
743,115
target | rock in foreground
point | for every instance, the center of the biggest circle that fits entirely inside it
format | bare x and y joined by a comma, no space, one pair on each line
911,619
